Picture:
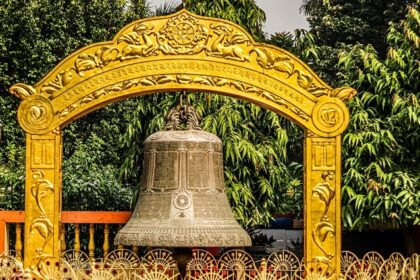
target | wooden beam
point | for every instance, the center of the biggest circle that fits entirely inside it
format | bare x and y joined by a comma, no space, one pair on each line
75,217
95,217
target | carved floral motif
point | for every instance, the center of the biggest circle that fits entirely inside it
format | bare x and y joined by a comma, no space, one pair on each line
185,34
329,116
36,113
42,224
22,91
324,227
181,79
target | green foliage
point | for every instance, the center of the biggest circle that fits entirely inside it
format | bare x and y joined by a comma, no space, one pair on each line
381,178
301,43
263,152
255,143
92,160
243,12
101,189
43,32
339,24
34,36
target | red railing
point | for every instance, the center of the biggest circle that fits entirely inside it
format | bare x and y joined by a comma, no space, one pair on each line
67,217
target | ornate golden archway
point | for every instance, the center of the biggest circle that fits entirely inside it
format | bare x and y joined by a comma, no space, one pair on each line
171,53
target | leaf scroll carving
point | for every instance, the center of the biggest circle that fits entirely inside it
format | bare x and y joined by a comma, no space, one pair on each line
60,81
22,91
42,224
267,60
323,228
183,79
186,34
320,234
102,57
344,93
325,192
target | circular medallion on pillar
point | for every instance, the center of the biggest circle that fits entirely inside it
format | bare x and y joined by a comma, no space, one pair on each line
36,114
330,116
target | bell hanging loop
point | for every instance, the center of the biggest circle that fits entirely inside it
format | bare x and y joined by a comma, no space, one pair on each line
183,116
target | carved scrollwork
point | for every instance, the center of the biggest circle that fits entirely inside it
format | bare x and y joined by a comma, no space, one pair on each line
182,79
61,80
325,192
344,93
306,81
323,228
274,98
300,113
267,60
282,102
285,64
36,113
42,224
330,115
22,91
320,234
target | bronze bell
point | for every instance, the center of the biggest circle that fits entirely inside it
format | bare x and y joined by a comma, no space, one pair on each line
182,200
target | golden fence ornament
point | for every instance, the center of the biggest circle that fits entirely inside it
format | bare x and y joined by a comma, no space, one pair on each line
159,264
178,52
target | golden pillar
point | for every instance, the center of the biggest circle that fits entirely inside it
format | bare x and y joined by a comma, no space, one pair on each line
177,52
42,197
322,175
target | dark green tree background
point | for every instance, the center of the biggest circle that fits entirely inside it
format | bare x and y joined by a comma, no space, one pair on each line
34,37
340,24
360,43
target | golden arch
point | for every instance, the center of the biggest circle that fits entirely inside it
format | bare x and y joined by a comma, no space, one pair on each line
171,53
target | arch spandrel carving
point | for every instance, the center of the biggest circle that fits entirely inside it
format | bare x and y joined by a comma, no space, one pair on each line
182,51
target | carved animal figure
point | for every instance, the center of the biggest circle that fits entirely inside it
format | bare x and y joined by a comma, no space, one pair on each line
224,45
137,47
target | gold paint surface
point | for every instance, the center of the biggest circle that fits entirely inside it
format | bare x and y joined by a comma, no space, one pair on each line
182,51
232,264
172,53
